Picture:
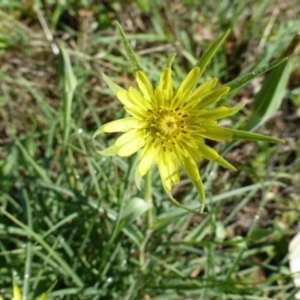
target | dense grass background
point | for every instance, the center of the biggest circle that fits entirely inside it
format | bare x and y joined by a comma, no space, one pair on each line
72,215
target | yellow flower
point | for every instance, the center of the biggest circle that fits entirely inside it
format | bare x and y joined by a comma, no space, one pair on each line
169,126
18,296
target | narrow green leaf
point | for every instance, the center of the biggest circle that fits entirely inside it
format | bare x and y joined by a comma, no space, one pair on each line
269,98
242,80
128,49
65,268
206,57
39,170
69,83
249,136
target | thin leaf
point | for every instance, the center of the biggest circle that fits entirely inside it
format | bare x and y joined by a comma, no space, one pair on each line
269,98
249,136
69,83
64,267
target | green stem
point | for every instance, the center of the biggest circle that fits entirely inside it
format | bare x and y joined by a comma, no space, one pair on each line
148,198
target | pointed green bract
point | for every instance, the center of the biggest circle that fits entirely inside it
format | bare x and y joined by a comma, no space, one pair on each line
249,136
128,49
240,81
170,60
112,150
176,203
114,87
207,56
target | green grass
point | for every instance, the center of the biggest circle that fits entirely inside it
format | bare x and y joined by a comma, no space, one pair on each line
67,213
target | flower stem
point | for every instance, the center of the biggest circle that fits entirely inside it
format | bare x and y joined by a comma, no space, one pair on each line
148,198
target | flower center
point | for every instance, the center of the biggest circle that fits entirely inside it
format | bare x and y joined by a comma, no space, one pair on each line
166,124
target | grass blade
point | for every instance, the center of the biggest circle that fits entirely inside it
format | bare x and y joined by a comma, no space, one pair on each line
69,83
269,98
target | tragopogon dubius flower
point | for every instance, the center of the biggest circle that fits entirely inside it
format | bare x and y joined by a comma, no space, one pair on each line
169,126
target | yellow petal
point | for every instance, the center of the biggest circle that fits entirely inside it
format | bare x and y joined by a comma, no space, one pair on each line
165,82
138,100
204,88
213,97
189,142
189,81
168,169
144,84
190,167
127,137
137,112
164,175
184,91
131,147
16,291
123,96
121,125
174,172
146,160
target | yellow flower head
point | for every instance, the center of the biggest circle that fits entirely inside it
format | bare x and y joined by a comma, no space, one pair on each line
170,125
